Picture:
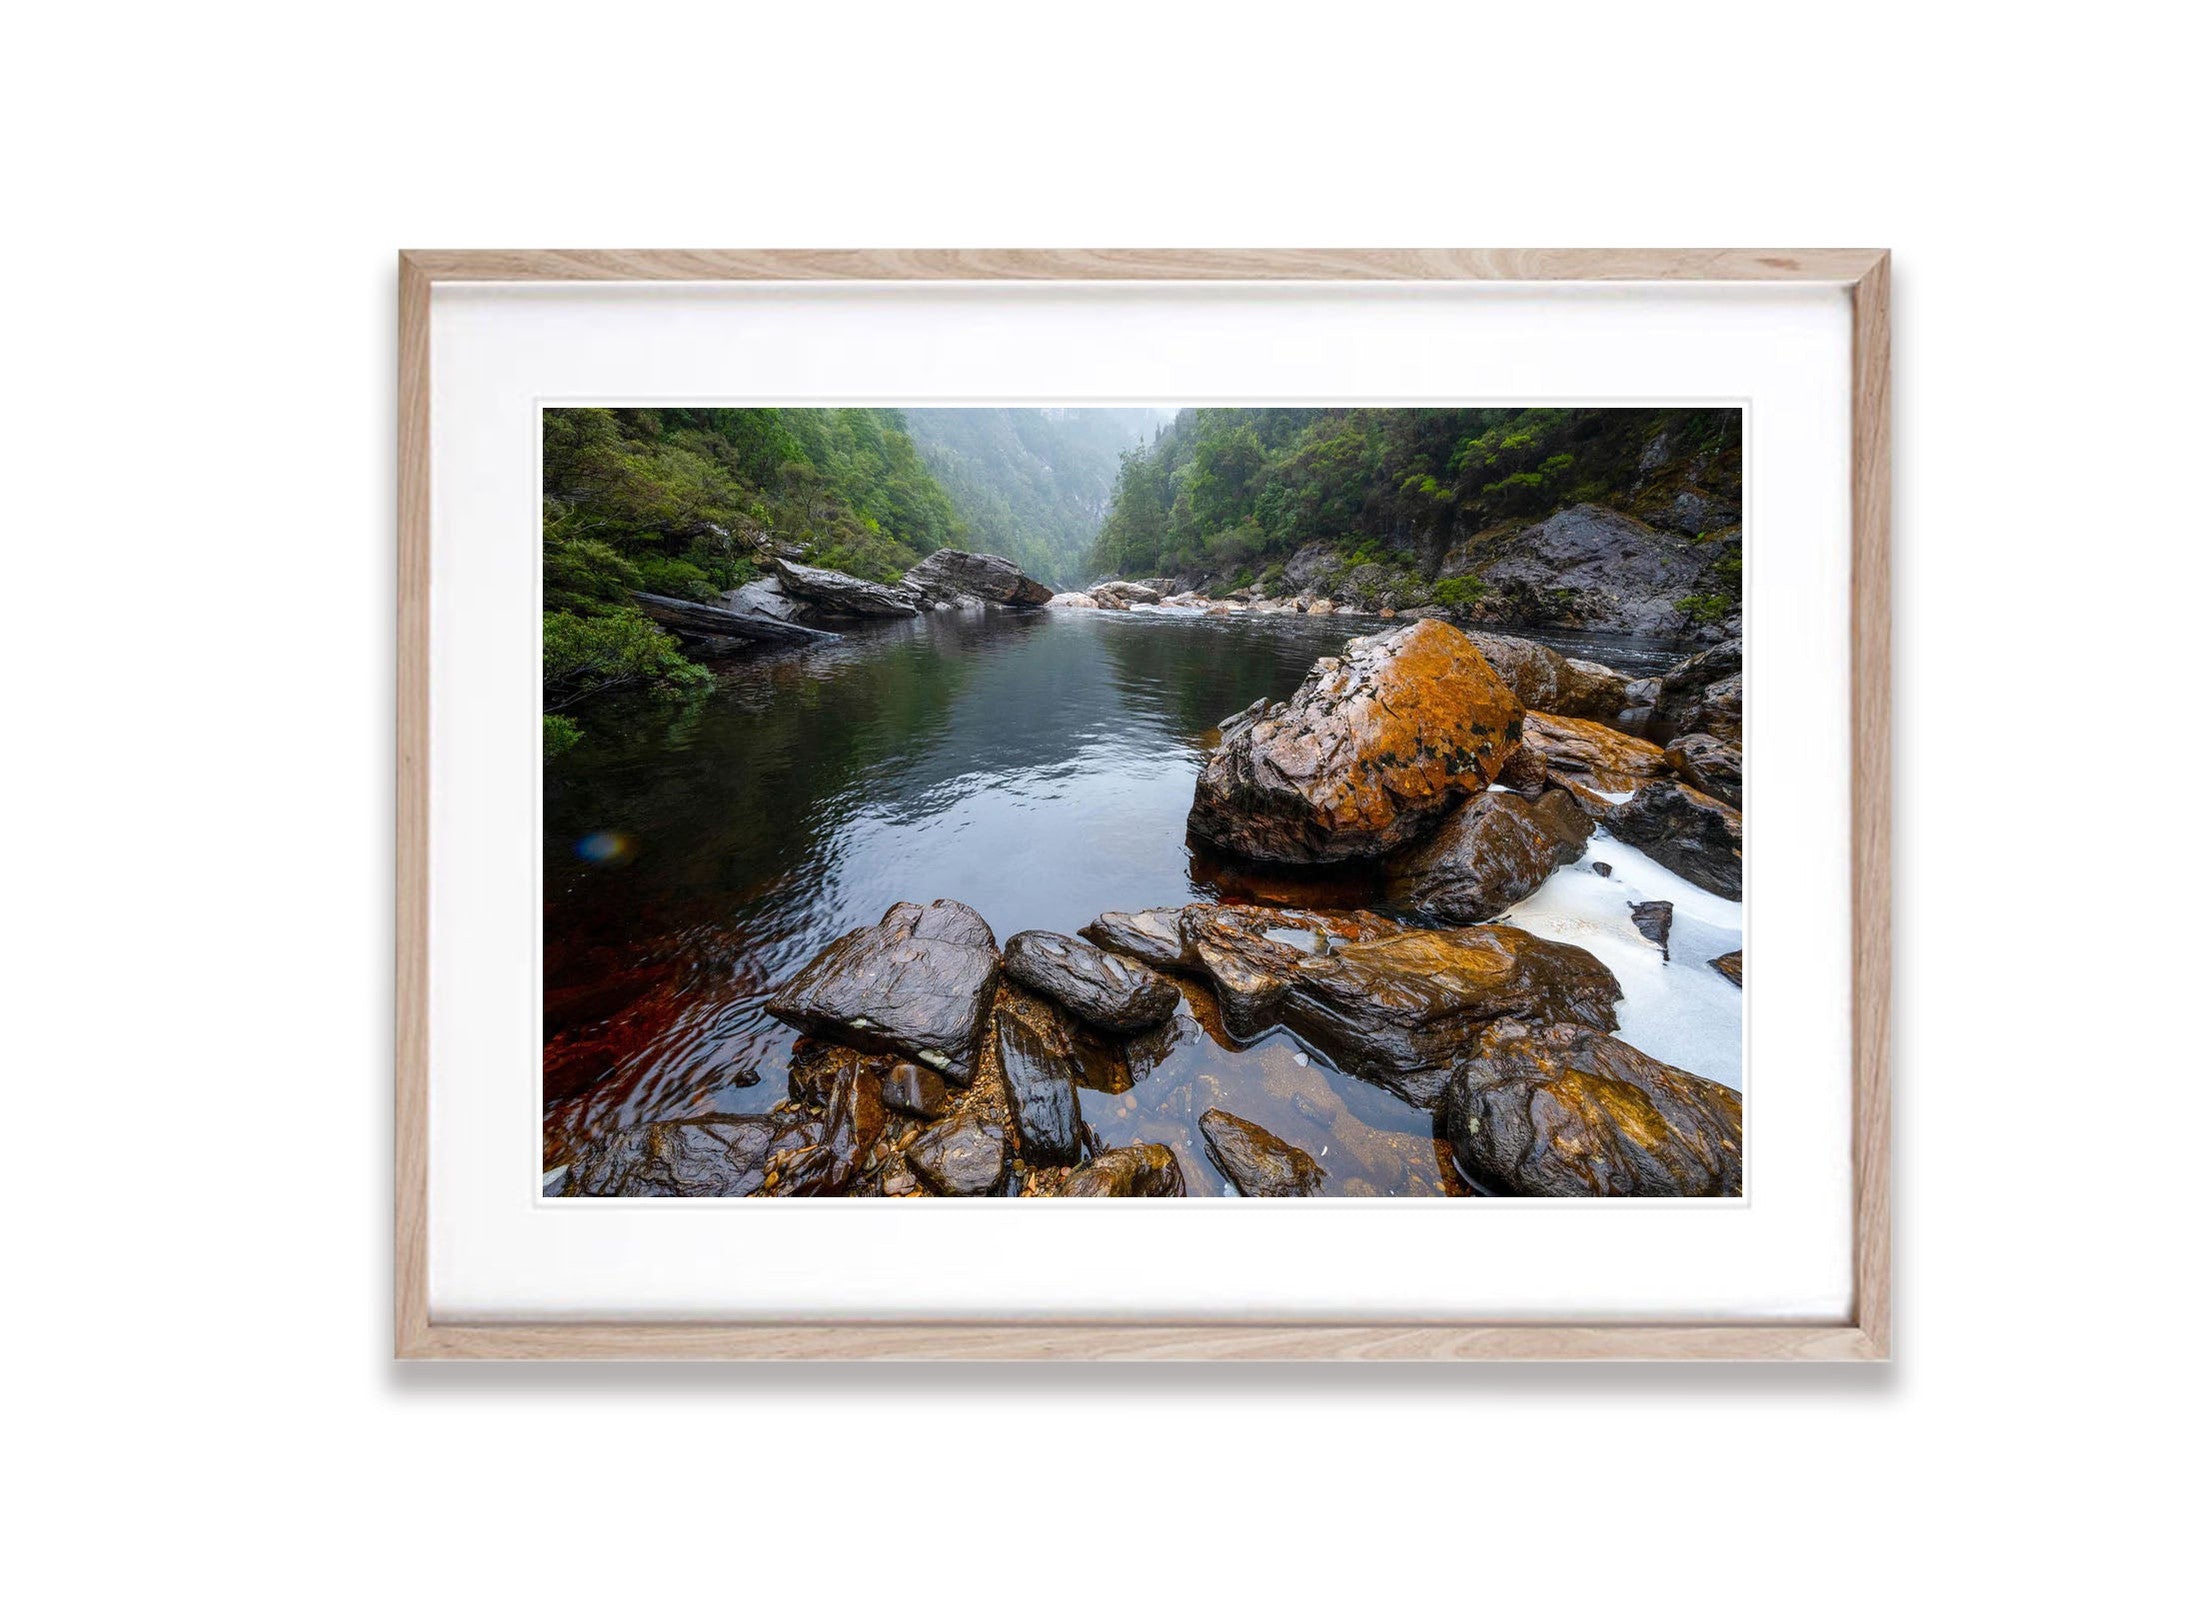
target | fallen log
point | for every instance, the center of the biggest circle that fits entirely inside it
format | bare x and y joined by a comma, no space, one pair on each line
686,619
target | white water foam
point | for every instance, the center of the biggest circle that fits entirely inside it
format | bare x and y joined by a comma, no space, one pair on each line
1682,1011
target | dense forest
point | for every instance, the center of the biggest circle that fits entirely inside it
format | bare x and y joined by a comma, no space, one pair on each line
1033,484
1234,493
684,502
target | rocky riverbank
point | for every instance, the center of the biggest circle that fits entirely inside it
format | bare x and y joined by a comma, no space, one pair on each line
1588,567
1462,773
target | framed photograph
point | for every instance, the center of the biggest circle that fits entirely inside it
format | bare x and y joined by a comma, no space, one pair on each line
1143,804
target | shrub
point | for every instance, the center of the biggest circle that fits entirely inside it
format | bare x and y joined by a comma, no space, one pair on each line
559,734
582,655
1456,593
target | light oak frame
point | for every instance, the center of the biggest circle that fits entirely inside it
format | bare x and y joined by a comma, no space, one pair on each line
1863,1336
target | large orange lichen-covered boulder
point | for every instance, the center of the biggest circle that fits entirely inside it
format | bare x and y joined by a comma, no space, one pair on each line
1369,753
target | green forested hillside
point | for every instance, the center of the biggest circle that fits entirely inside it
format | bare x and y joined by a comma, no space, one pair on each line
1033,484
1236,492
681,502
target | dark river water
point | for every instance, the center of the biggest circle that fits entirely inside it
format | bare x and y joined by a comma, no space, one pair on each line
1037,766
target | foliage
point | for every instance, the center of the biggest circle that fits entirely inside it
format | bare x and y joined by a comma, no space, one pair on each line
1456,593
583,655
687,502
1720,593
559,734
1228,492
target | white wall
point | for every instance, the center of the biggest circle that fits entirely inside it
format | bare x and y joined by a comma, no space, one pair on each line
198,390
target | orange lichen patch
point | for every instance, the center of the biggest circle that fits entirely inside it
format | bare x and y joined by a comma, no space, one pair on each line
1374,746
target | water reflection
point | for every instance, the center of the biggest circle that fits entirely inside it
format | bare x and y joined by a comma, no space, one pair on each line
1038,766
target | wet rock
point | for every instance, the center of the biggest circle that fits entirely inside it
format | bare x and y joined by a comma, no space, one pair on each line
963,1155
1601,868
1728,966
1142,1171
1259,1164
1653,919
748,1077
1709,763
1491,852
1398,1006
1588,566
1570,1112
947,577
816,1066
1249,953
1599,766
855,1114
703,1157
1110,991
917,984
1039,1067
1367,755
1526,771
1403,1011
1544,680
1693,834
1703,694
1121,595
913,1090
1154,937
838,594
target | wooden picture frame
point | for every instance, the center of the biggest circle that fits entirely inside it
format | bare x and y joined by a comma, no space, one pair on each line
1862,1336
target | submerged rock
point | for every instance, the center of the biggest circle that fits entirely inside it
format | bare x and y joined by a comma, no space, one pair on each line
1693,834
1490,853
947,577
1570,1112
916,984
1039,1067
913,1090
1142,1171
1709,763
1110,991
841,595
1367,755
703,1157
1154,937
1728,966
1259,1164
1653,919
963,1155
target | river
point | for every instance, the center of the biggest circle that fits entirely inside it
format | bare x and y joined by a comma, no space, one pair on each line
1037,766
